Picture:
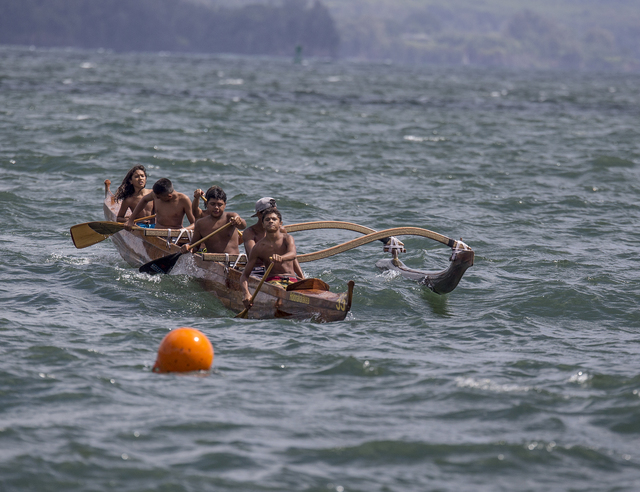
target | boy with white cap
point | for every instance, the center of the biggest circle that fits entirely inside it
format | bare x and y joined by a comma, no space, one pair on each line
253,234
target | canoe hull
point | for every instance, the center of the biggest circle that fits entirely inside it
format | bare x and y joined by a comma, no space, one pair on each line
223,281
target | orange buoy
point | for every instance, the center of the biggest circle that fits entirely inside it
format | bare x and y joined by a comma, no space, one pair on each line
184,350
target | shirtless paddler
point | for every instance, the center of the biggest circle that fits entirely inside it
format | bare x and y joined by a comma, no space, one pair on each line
277,246
256,232
170,205
225,241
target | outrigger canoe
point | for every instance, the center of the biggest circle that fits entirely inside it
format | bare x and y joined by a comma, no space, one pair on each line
307,299
220,275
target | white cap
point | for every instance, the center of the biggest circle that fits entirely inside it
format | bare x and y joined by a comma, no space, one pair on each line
263,204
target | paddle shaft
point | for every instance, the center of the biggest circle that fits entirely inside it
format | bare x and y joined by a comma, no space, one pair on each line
245,311
199,241
145,218
166,263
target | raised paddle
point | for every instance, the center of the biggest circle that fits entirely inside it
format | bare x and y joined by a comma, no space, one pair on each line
166,263
244,313
91,233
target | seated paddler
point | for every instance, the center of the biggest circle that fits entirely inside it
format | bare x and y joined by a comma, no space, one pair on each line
130,192
225,241
276,247
198,213
171,206
256,232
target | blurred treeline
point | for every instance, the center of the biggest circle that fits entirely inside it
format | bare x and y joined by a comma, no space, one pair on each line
584,34
171,25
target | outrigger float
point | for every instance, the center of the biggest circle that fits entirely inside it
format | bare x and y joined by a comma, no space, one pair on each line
307,299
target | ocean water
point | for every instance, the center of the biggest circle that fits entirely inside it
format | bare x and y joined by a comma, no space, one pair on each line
526,377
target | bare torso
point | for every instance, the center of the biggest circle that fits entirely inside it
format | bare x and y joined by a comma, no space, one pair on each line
170,214
131,202
276,244
223,242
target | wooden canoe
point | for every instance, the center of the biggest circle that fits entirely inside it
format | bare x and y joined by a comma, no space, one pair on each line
307,299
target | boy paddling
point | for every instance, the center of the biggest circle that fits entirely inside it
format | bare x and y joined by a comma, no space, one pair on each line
257,231
225,241
277,246
171,206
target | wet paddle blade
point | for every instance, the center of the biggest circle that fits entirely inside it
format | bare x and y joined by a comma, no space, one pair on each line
106,228
161,265
89,233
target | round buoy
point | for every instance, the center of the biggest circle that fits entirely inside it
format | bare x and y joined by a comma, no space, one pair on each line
184,350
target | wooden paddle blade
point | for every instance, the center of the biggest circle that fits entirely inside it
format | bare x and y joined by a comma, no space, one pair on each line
106,228
242,314
84,235
161,265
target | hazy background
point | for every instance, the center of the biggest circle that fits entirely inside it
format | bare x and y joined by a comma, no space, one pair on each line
573,34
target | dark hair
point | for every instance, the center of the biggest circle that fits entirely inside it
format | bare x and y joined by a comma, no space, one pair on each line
126,189
215,193
162,187
271,210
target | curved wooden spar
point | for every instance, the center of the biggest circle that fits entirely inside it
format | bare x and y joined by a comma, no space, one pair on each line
329,224
394,231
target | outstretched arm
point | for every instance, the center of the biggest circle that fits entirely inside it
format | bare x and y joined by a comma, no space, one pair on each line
187,210
237,221
195,204
141,204
124,206
196,236
290,255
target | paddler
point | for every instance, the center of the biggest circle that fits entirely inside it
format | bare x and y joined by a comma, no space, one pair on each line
170,205
198,213
225,241
131,191
256,232
277,247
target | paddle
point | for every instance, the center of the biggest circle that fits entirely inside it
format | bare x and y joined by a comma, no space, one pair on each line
166,263
91,233
245,311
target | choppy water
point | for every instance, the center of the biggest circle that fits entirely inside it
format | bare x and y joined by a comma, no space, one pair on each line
526,377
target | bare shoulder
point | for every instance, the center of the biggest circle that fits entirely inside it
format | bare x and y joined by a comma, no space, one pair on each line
184,200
